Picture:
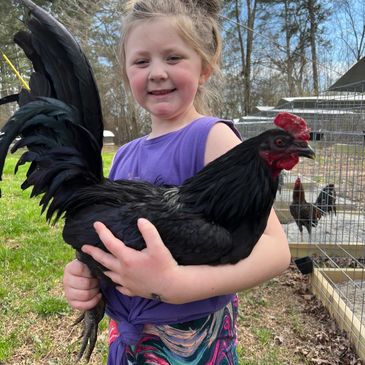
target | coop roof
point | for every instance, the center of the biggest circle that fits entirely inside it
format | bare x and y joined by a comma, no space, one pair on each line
297,98
254,119
352,80
262,108
259,118
313,111
107,133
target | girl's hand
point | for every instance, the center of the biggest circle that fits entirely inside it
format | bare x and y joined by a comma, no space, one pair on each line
147,273
81,288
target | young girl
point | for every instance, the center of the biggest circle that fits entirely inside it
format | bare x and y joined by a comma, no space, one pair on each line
183,314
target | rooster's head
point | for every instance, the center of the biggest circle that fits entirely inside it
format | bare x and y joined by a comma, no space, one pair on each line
281,148
297,183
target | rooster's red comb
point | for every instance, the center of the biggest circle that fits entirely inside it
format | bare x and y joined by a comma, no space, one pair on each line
293,124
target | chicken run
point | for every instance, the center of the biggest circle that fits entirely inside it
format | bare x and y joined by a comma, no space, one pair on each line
333,234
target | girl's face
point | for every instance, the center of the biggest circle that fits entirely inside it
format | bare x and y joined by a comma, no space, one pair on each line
164,72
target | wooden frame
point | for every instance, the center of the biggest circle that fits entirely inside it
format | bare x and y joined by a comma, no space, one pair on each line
321,286
326,249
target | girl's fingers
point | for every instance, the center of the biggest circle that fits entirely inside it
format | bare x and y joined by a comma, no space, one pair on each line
77,268
119,249
149,233
153,240
81,283
113,244
85,305
104,258
114,277
82,295
84,270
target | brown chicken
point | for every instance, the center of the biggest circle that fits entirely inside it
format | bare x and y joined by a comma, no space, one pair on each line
305,214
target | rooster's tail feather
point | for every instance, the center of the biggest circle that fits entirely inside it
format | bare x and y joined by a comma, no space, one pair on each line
62,70
59,163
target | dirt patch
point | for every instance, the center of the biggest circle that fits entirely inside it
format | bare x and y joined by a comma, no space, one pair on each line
280,323
299,329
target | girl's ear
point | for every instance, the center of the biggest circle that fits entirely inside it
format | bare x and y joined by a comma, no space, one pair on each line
205,74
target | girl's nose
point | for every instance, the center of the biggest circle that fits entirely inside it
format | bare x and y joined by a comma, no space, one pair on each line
157,72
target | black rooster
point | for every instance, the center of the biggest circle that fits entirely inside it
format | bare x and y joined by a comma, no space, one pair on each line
326,200
215,217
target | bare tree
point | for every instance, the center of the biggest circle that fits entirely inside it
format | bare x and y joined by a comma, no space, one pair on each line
239,33
350,21
289,40
251,16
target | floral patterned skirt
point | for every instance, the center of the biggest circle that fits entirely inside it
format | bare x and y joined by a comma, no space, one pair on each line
207,341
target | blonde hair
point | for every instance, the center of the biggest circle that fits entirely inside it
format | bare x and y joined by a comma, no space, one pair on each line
197,23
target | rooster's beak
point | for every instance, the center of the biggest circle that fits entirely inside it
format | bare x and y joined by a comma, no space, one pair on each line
303,149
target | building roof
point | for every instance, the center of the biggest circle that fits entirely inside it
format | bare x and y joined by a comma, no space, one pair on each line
352,80
107,133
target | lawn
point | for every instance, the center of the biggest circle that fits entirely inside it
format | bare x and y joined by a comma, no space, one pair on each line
277,325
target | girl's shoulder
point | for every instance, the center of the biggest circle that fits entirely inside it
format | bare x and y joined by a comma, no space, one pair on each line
129,147
202,127
131,144
192,140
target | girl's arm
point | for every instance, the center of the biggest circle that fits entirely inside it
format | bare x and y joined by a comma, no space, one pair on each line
153,272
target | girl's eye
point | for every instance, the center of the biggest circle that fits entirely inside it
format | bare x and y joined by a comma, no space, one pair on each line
173,59
141,62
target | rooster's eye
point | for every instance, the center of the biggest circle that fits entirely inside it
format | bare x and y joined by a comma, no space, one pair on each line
279,142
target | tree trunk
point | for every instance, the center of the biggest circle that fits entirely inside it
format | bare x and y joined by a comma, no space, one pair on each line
242,49
313,32
251,13
289,59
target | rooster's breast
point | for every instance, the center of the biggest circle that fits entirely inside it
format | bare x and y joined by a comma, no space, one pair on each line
190,237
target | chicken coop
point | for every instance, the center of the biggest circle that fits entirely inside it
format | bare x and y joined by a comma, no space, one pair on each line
332,242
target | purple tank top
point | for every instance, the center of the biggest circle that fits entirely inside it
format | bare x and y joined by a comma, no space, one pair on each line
168,159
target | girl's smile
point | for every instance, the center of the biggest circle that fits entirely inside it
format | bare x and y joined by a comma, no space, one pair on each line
161,92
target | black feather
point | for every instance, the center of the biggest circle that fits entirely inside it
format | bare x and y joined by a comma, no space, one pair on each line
9,99
326,200
64,142
63,71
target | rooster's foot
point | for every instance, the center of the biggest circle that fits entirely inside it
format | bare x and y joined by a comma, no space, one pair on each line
90,319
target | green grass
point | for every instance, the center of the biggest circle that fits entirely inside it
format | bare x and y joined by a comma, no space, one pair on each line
270,326
264,335
33,256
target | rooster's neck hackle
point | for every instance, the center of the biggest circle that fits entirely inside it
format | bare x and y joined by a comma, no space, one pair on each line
298,192
230,185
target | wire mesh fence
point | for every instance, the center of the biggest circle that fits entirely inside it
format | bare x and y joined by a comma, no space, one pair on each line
335,239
